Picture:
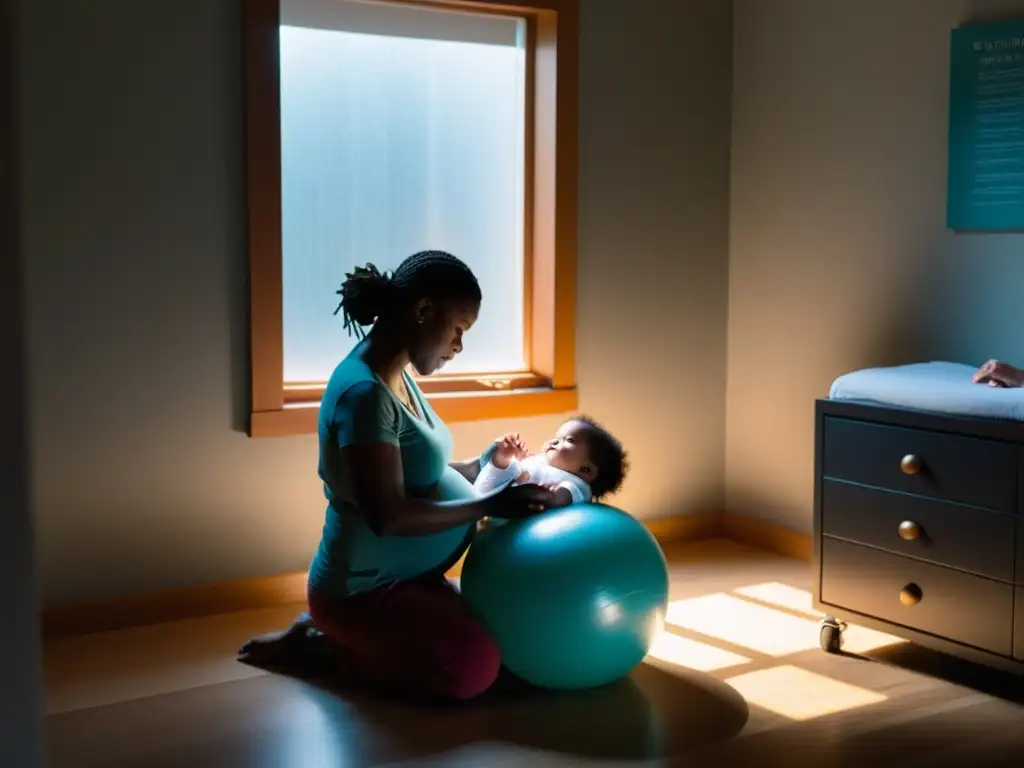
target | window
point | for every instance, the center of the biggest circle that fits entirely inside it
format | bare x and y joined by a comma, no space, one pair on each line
377,129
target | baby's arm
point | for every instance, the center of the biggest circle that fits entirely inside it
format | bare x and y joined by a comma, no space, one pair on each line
568,488
492,477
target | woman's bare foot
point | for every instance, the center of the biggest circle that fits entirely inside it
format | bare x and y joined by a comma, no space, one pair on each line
278,649
301,650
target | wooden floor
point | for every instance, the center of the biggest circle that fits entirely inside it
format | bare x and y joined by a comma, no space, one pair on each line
737,680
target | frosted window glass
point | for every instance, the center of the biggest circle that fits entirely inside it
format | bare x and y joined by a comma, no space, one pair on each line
392,145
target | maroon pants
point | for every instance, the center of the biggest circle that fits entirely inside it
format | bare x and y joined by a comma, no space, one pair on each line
416,637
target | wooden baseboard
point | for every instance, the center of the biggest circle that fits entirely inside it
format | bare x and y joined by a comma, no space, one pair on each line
290,588
767,536
250,594
173,605
681,529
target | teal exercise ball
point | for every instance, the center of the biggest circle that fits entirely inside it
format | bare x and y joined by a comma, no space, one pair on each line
574,597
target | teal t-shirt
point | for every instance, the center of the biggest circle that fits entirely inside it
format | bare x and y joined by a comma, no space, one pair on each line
358,407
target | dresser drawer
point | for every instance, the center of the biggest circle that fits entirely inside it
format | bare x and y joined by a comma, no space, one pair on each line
942,532
953,605
963,469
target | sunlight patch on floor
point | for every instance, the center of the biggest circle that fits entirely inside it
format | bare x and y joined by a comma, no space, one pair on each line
774,632
799,694
856,639
744,624
782,595
692,654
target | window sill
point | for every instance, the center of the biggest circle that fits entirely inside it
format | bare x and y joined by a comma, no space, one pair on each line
454,407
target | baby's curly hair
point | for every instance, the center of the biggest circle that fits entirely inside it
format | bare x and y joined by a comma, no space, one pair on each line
607,454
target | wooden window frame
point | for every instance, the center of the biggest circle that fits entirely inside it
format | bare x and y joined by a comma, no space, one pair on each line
548,385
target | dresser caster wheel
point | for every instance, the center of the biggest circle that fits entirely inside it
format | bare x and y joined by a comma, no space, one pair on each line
831,634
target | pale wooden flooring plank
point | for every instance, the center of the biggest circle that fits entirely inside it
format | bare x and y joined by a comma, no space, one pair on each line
174,696
112,667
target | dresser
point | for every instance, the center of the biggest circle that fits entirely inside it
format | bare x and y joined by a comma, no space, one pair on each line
919,529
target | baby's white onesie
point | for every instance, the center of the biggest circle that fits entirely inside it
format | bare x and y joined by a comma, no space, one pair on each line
542,473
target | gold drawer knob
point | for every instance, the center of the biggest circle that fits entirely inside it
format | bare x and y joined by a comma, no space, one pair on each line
911,594
909,530
910,464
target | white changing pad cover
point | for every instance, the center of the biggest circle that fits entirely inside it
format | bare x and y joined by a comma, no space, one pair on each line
937,386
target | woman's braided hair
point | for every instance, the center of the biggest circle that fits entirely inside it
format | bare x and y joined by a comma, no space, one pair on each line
367,294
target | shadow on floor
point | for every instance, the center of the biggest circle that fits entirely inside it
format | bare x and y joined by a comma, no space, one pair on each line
651,714
1002,685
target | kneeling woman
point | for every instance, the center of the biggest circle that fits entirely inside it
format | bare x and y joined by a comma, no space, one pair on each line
378,598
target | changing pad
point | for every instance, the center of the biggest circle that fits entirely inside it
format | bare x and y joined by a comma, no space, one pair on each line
934,386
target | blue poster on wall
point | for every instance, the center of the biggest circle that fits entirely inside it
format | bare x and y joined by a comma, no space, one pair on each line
986,127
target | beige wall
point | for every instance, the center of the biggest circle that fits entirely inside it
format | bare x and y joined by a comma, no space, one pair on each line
134,242
839,256
20,701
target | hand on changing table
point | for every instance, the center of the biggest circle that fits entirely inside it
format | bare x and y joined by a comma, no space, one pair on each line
996,373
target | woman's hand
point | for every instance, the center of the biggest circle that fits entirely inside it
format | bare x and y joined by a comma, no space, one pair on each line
562,496
999,374
520,501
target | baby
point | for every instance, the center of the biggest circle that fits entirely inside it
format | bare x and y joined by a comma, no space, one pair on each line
583,462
